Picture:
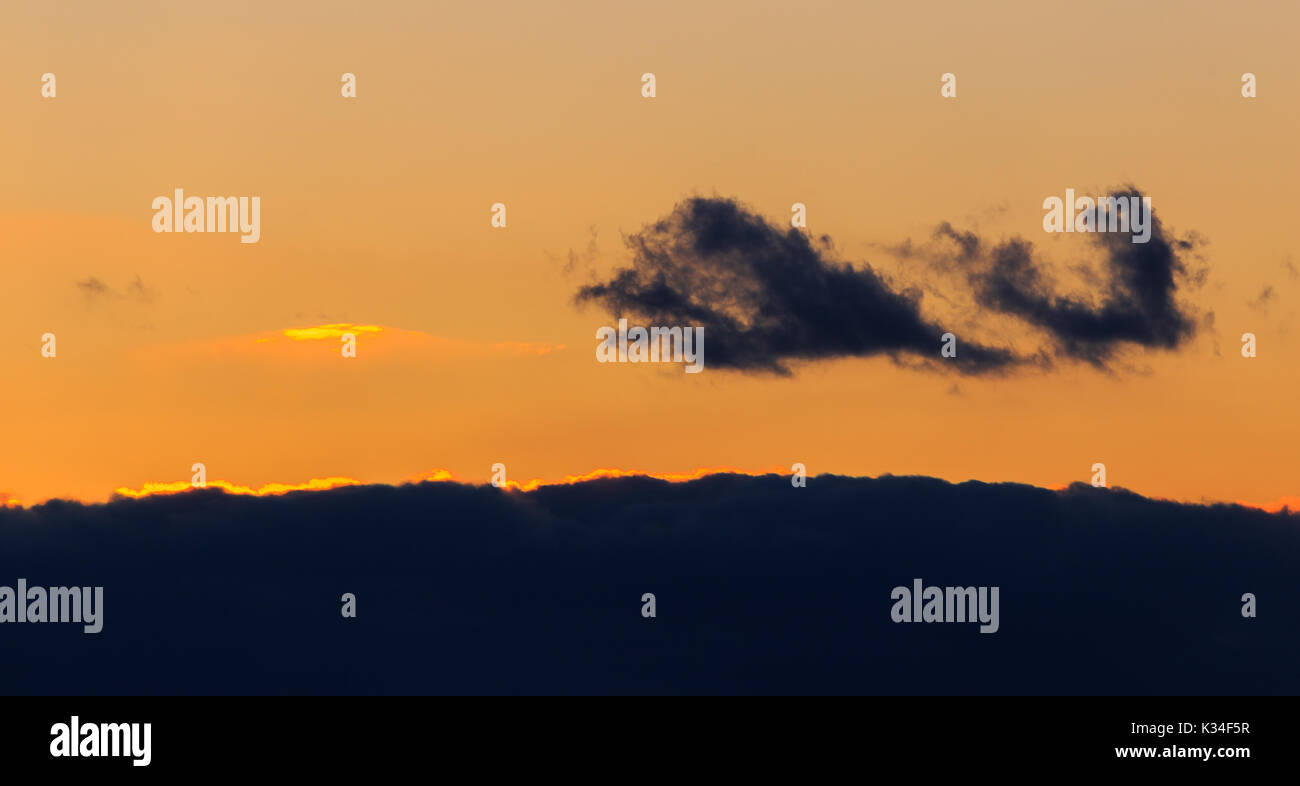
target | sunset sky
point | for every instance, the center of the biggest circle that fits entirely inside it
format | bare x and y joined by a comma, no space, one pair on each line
375,212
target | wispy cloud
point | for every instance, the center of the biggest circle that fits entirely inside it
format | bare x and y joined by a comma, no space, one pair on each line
1261,301
96,291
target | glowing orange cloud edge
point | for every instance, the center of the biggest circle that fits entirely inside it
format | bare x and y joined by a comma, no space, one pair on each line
154,488
672,477
151,488
1291,504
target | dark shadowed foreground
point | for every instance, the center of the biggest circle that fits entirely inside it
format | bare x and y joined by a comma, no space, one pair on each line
760,587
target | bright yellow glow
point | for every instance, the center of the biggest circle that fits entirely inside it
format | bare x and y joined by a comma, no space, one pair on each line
152,488
336,330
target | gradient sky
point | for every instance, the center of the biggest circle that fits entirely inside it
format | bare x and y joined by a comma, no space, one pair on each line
375,211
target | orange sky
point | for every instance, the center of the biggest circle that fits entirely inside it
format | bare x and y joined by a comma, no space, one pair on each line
375,212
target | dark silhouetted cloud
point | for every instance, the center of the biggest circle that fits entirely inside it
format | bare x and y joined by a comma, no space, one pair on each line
1137,286
1138,304
760,588
766,295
